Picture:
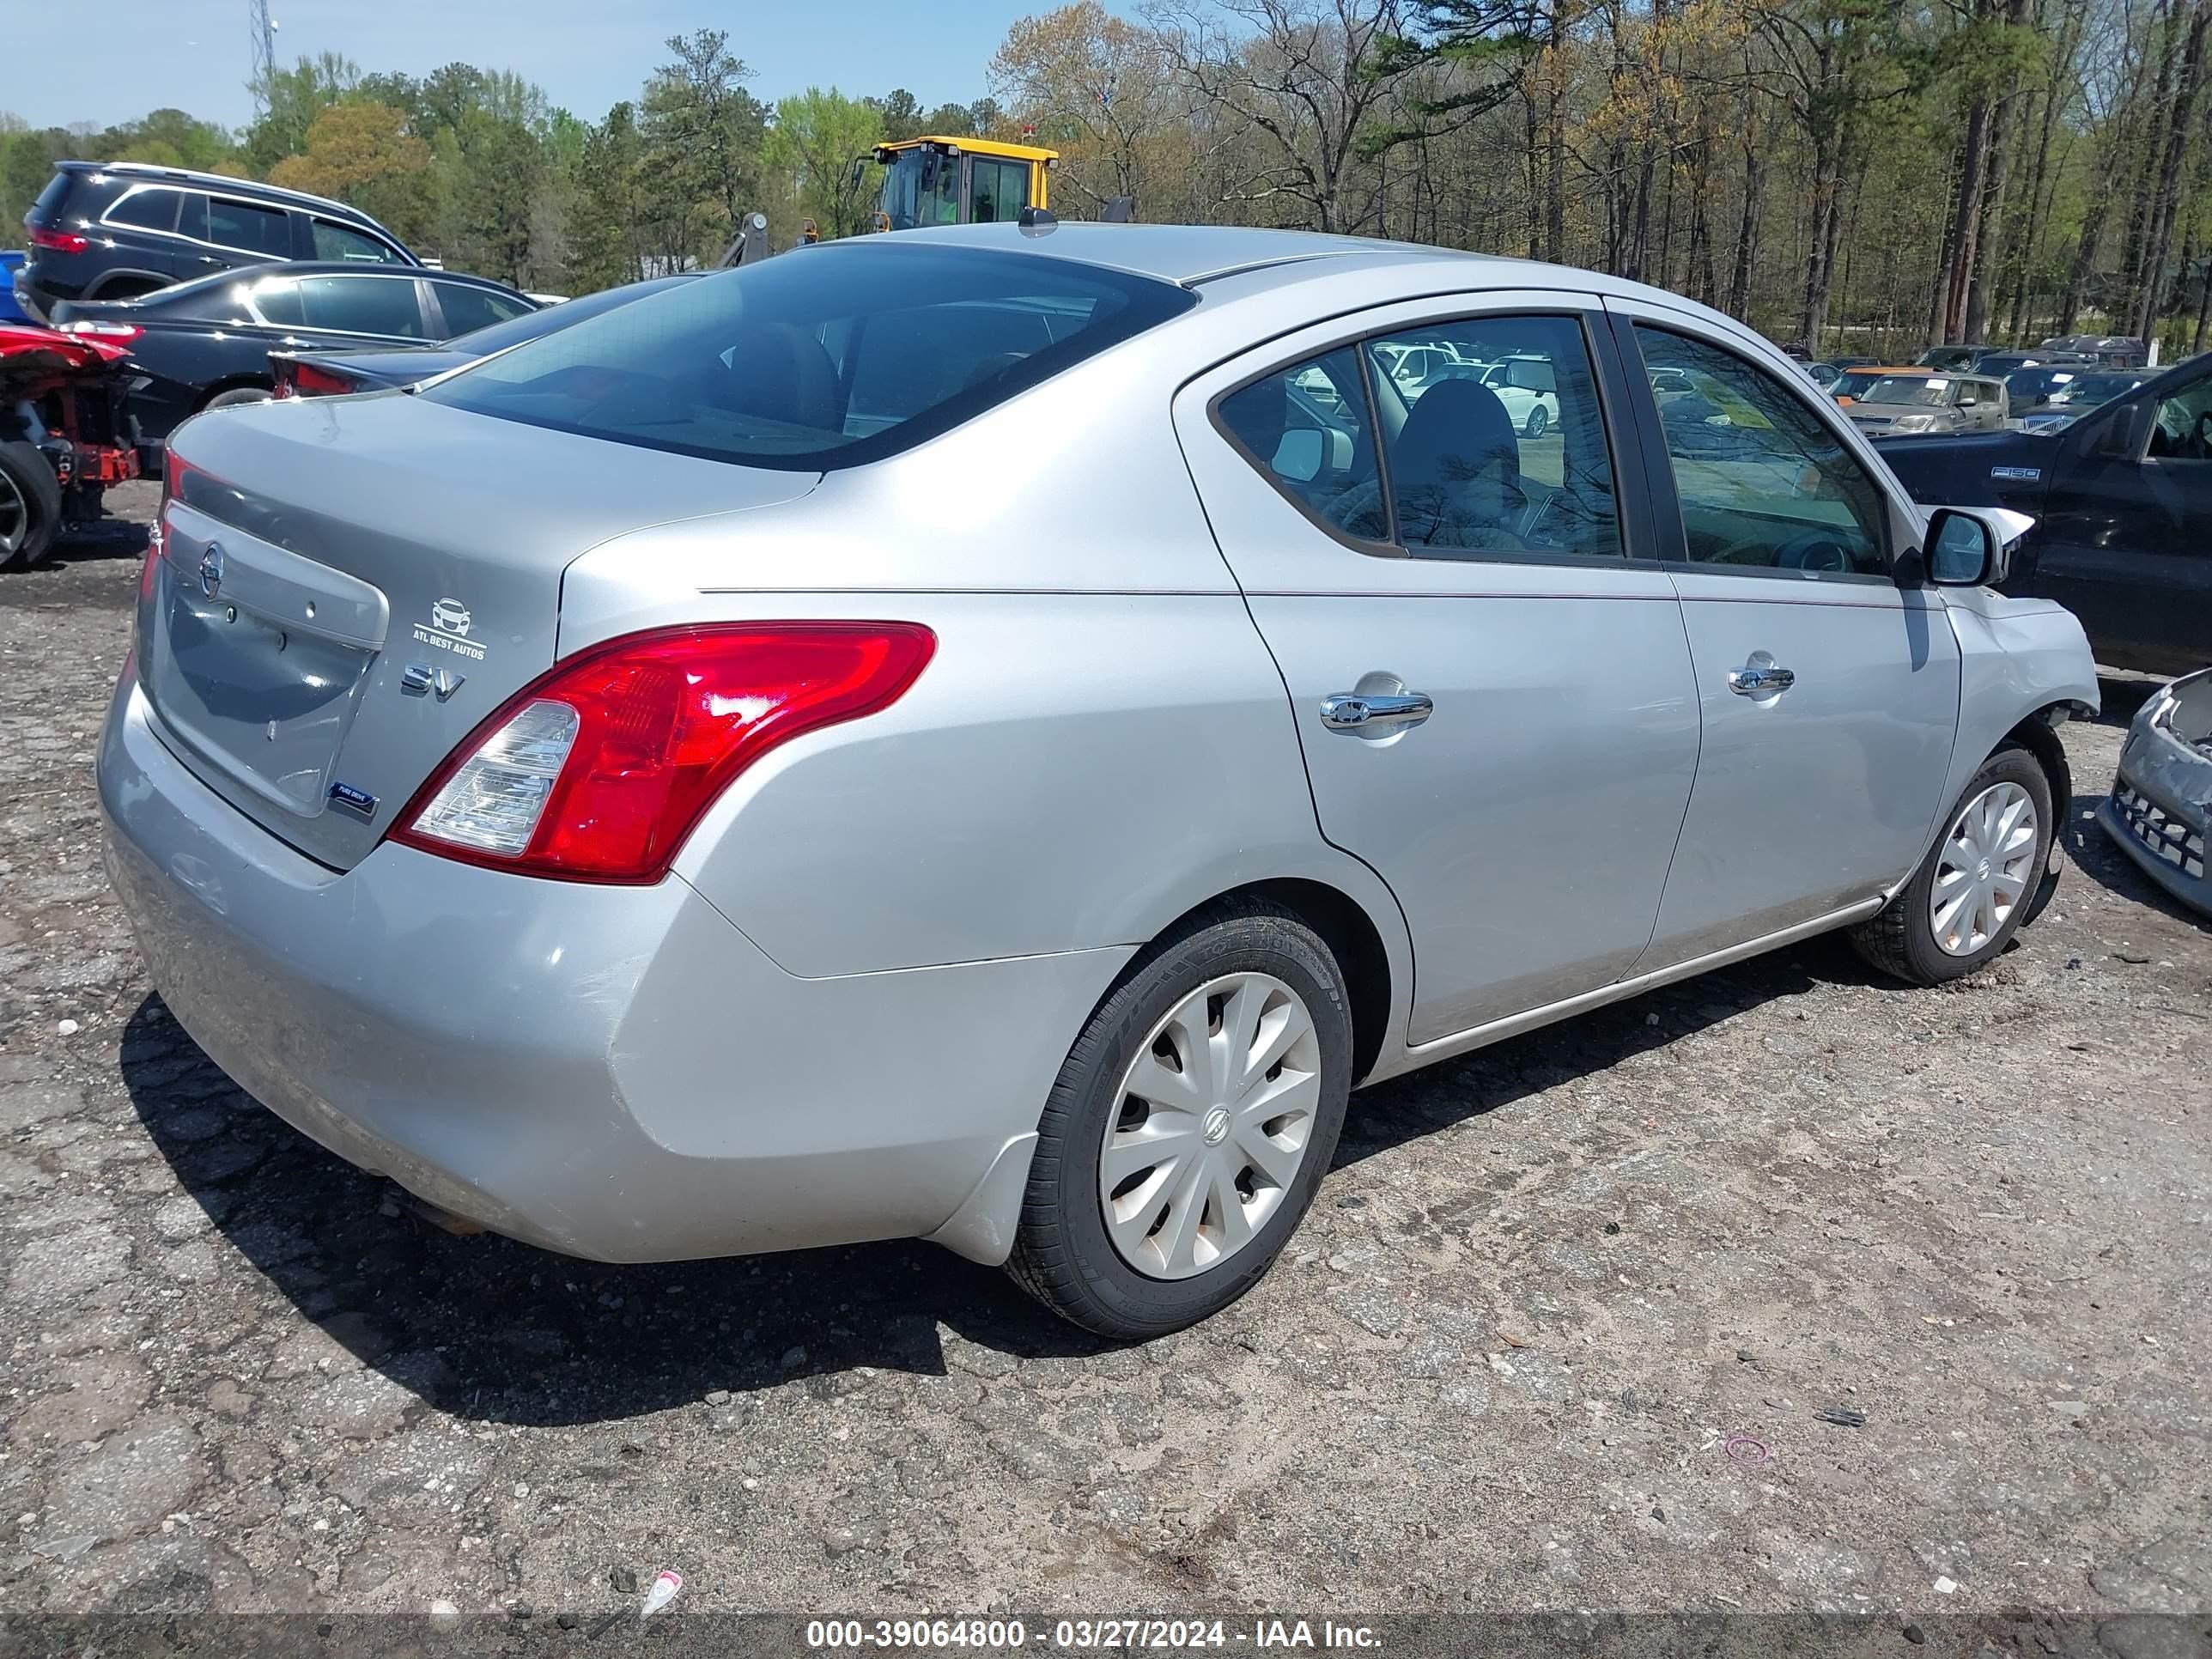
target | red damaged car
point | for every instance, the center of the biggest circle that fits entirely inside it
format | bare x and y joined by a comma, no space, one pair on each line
65,433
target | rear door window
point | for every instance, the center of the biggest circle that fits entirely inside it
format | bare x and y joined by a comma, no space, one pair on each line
827,356
248,227
145,209
1505,450
278,302
364,305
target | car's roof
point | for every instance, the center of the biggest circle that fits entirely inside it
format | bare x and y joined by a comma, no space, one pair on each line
143,170
1191,255
361,267
1174,253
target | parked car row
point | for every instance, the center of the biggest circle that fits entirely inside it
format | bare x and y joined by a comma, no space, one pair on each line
283,294
2121,497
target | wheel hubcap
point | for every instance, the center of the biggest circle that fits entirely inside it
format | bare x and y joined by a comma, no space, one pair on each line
1984,869
1212,1126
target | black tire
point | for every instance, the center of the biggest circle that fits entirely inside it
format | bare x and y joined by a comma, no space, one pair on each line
1062,1255
1538,422
1901,940
32,481
237,395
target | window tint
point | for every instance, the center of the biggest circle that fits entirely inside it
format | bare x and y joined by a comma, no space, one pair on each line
146,209
1309,427
997,189
2183,430
940,188
550,320
248,228
335,241
278,302
1762,480
364,305
1503,449
467,309
825,357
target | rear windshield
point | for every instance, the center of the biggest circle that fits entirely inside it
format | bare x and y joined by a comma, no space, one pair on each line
2101,388
50,199
825,357
1906,389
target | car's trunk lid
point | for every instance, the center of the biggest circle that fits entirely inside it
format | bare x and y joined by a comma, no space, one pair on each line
346,587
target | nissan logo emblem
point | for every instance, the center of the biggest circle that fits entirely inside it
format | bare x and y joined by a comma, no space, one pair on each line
212,568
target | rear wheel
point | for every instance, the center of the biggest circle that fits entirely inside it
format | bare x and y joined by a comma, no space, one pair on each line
1539,420
30,503
1189,1129
1978,882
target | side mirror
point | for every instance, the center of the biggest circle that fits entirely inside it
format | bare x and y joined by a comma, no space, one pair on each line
1963,550
1298,456
1969,402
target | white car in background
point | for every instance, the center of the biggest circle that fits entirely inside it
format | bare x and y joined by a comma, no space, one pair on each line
1526,388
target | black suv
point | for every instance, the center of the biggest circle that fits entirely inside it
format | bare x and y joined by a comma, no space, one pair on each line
113,230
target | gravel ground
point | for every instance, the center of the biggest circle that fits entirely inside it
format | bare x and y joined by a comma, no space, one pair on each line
1555,1336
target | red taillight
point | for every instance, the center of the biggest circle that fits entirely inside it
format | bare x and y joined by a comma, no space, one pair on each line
60,241
306,380
598,770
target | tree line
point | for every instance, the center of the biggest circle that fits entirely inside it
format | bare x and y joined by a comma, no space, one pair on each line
1857,175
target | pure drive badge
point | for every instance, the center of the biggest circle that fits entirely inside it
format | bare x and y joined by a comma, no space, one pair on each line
353,799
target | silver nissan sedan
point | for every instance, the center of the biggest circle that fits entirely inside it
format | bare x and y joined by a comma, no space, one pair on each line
991,734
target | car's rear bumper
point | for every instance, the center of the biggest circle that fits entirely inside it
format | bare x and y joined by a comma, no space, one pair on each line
611,1072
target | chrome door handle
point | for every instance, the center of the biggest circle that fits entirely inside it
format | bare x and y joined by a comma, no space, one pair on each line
1369,711
1755,678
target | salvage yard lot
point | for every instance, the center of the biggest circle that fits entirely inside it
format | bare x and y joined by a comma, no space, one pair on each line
1554,1336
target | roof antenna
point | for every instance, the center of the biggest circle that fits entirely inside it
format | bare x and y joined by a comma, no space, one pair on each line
1037,221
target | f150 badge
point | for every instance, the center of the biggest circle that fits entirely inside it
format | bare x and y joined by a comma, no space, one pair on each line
448,630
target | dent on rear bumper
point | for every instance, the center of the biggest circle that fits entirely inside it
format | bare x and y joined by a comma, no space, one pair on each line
614,1072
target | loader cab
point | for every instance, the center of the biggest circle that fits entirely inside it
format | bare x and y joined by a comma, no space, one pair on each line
959,181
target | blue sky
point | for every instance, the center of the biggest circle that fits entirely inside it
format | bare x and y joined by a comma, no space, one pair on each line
193,54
